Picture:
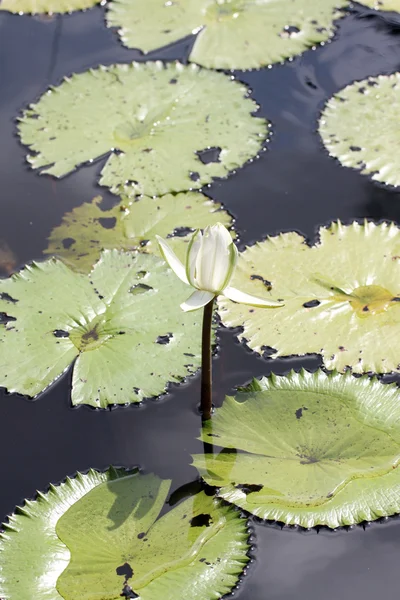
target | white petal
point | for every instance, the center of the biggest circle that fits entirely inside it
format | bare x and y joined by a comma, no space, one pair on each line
197,300
221,271
220,231
171,258
191,256
213,260
233,259
243,298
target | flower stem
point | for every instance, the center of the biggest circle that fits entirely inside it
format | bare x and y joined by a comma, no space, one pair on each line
206,369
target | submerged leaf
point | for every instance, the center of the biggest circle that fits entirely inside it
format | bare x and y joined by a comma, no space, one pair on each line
46,6
341,296
196,550
313,449
156,121
31,554
122,323
88,229
359,126
234,34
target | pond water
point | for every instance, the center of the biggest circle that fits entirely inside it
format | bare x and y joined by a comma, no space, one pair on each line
293,186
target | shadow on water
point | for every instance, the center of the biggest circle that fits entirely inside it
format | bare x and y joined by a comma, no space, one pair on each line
294,185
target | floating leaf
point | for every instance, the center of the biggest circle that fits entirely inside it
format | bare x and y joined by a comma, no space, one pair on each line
157,121
391,5
234,34
359,126
86,230
196,550
31,555
341,296
313,449
122,323
46,6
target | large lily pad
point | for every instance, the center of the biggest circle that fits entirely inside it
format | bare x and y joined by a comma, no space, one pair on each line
196,550
234,34
31,554
46,6
207,546
88,229
313,449
158,123
341,296
121,324
359,126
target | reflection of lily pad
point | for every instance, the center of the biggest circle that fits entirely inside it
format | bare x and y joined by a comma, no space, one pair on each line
169,128
234,34
359,126
46,6
122,324
391,5
313,449
342,296
196,550
88,229
31,555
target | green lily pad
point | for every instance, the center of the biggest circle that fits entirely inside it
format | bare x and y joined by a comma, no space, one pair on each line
196,550
341,296
46,6
31,554
391,5
166,128
232,34
359,127
88,229
312,449
121,324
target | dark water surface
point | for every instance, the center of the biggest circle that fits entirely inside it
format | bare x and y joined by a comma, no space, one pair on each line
294,185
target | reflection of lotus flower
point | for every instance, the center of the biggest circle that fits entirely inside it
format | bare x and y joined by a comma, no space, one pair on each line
210,264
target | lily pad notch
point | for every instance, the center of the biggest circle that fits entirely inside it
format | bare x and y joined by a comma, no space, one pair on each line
308,449
154,121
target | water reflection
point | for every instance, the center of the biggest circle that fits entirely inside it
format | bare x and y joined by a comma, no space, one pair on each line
8,259
382,203
294,186
354,564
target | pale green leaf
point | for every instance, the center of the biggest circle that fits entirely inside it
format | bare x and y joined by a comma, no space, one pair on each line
31,554
154,121
341,296
46,6
312,449
359,126
391,5
132,225
232,34
122,323
196,550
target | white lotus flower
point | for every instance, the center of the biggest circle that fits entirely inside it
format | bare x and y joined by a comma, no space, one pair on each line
210,264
